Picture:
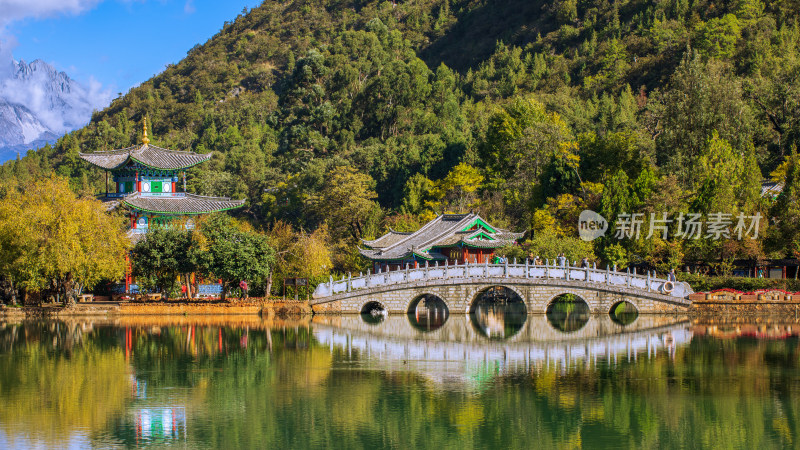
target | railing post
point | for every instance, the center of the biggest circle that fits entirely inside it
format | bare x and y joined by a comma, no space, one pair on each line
426,269
406,275
628,276
648,281
586,273
505,268
566,270
445,269
608,274
349,281
367,279
527,269
486,268
547,269
330,281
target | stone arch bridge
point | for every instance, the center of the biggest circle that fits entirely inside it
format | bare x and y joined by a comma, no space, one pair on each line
458,286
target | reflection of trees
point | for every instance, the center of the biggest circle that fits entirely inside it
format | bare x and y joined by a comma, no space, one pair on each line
498,313
58,380
568,313
711,395
247,387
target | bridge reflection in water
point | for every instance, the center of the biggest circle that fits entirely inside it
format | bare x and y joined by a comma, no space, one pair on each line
463,350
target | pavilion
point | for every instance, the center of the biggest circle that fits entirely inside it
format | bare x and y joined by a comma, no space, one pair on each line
146,183
451,238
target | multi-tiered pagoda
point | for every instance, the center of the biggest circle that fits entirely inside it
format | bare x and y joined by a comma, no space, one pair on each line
146,179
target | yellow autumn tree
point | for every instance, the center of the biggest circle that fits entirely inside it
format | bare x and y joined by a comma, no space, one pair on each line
301,254
52,239
457,192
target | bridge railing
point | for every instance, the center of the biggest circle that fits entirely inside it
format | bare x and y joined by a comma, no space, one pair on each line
610,277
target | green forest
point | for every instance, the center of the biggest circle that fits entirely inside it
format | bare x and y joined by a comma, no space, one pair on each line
356,116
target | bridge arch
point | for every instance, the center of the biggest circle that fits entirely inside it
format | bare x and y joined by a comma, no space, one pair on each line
427,295
373,305
497,312
427,312
624,312
568,312
566,292
475,296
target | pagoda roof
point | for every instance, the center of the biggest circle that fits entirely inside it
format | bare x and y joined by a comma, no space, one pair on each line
447,230
392,237
146,155
186,204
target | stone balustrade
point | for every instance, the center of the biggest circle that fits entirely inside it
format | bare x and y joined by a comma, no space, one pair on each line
515,272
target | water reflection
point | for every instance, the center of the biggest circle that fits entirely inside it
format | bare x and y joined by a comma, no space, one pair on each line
339,382
624,313
498,313
373,313
568,313
428,313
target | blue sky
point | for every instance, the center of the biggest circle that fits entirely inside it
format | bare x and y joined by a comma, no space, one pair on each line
118,43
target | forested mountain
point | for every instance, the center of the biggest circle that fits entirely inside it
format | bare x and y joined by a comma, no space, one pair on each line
364,115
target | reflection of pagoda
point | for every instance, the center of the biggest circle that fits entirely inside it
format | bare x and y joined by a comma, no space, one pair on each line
146,182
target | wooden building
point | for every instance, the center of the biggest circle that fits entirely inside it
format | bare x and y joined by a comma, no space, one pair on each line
451,238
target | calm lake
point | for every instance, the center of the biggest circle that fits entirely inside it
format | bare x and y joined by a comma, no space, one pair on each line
496,379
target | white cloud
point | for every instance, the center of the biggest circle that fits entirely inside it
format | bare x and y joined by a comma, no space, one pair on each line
41,92
61,111
13,10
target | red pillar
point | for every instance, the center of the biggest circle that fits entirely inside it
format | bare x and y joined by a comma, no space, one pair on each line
138,183
127,273
173,187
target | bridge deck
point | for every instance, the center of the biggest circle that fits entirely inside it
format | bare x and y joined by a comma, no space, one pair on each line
593,279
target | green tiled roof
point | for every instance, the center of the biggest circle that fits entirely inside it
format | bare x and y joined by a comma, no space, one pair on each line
447,230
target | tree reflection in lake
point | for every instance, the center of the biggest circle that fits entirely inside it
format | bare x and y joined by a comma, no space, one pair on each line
568,313
624,313
338,382
498,313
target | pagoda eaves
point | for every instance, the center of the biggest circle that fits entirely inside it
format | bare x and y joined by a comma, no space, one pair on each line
180,203
147,155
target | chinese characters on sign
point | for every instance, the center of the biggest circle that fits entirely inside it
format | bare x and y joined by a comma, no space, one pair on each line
689,226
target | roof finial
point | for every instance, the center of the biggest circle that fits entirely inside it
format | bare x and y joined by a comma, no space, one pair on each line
145,139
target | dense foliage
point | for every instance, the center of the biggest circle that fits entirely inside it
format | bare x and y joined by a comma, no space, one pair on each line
56,243
221,249
364,114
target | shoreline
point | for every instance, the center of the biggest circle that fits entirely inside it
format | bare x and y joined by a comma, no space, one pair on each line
262,308
720,303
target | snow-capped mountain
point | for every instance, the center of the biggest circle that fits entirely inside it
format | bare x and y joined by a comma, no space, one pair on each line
38,104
